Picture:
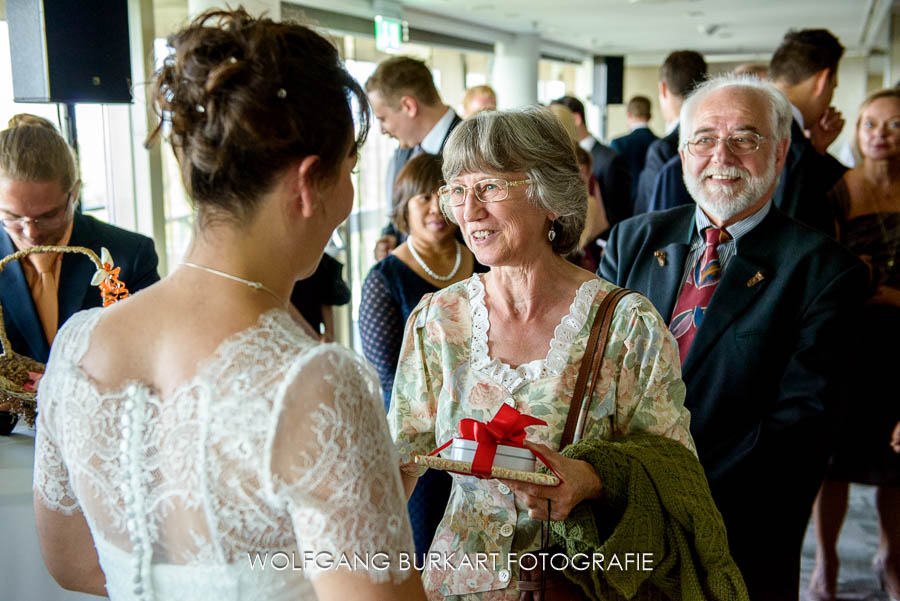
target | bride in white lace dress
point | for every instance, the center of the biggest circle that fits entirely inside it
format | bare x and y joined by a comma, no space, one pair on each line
195,441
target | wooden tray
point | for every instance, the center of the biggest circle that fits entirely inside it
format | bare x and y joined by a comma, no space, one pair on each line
465,467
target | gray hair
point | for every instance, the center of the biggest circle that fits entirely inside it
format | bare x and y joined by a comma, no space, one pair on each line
780,115
532,141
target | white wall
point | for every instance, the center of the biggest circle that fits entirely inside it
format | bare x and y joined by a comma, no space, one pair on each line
852,88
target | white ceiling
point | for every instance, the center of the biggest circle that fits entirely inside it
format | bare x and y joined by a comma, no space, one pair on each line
621,26
644,28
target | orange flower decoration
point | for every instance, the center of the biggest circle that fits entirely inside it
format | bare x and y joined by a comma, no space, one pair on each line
107,278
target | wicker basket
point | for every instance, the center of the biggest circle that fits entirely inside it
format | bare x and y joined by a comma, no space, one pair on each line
15,368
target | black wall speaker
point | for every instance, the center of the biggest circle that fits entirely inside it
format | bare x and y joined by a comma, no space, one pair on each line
608,74
64,51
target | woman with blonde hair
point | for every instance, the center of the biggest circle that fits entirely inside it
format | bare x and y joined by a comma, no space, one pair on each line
867,205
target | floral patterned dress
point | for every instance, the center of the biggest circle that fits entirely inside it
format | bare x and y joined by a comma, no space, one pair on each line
445,374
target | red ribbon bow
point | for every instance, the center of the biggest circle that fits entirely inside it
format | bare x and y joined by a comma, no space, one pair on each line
507,427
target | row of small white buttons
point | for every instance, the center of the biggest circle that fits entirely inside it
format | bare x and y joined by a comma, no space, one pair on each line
132,422
506,529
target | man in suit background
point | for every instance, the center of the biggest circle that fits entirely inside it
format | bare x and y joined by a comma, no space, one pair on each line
477,99
669,190
409,108
39,189
609,168
756,302
804,67
680,72
633,146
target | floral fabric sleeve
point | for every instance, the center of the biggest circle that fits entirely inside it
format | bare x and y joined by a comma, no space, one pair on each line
649,392
411,417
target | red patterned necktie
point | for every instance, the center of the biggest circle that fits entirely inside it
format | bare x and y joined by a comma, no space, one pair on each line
697,291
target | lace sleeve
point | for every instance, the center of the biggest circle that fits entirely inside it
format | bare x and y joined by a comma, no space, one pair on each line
381,330
331,464
51,482
51,476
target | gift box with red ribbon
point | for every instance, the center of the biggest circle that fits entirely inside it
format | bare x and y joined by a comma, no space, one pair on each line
493,449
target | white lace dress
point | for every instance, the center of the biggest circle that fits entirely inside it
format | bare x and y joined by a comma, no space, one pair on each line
272,465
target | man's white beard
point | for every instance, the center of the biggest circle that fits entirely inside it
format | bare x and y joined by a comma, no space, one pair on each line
725,203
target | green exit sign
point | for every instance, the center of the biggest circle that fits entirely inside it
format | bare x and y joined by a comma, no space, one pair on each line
388,33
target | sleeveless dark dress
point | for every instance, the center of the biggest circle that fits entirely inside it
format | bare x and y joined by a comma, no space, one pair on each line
390,293
872,406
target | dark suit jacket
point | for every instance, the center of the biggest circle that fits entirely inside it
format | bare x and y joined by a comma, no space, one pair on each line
634,147
761,375
669,190
805,181
132,252
614,178
658,154
398,160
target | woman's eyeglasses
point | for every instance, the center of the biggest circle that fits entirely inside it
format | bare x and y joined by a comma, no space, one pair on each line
493,189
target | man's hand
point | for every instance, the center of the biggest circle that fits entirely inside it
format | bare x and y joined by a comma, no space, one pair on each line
895,438
578,481
824,131
384,246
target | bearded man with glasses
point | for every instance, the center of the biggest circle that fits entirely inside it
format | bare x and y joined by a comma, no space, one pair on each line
757,304
39,190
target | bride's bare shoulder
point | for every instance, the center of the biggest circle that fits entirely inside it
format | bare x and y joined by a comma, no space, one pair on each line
159,336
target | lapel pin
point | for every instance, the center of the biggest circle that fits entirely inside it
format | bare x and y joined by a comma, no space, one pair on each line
661,257
756,279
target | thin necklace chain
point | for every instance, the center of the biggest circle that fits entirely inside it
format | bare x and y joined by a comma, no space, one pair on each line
872,191
259,286
440,278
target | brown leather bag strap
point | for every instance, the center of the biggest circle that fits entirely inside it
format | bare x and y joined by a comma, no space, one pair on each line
583,373
591,362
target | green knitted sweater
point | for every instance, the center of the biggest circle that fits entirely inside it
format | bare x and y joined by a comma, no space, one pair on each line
656,500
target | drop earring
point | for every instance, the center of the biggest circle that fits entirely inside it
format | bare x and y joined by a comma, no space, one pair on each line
551,235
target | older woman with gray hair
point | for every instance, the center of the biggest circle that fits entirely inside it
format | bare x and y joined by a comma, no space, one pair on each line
516,336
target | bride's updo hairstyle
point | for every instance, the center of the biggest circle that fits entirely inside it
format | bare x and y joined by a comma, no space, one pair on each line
241,98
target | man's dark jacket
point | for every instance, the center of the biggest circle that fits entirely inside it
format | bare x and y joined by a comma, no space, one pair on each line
762,374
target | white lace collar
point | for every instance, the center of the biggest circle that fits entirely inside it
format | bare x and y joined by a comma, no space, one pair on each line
560,346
